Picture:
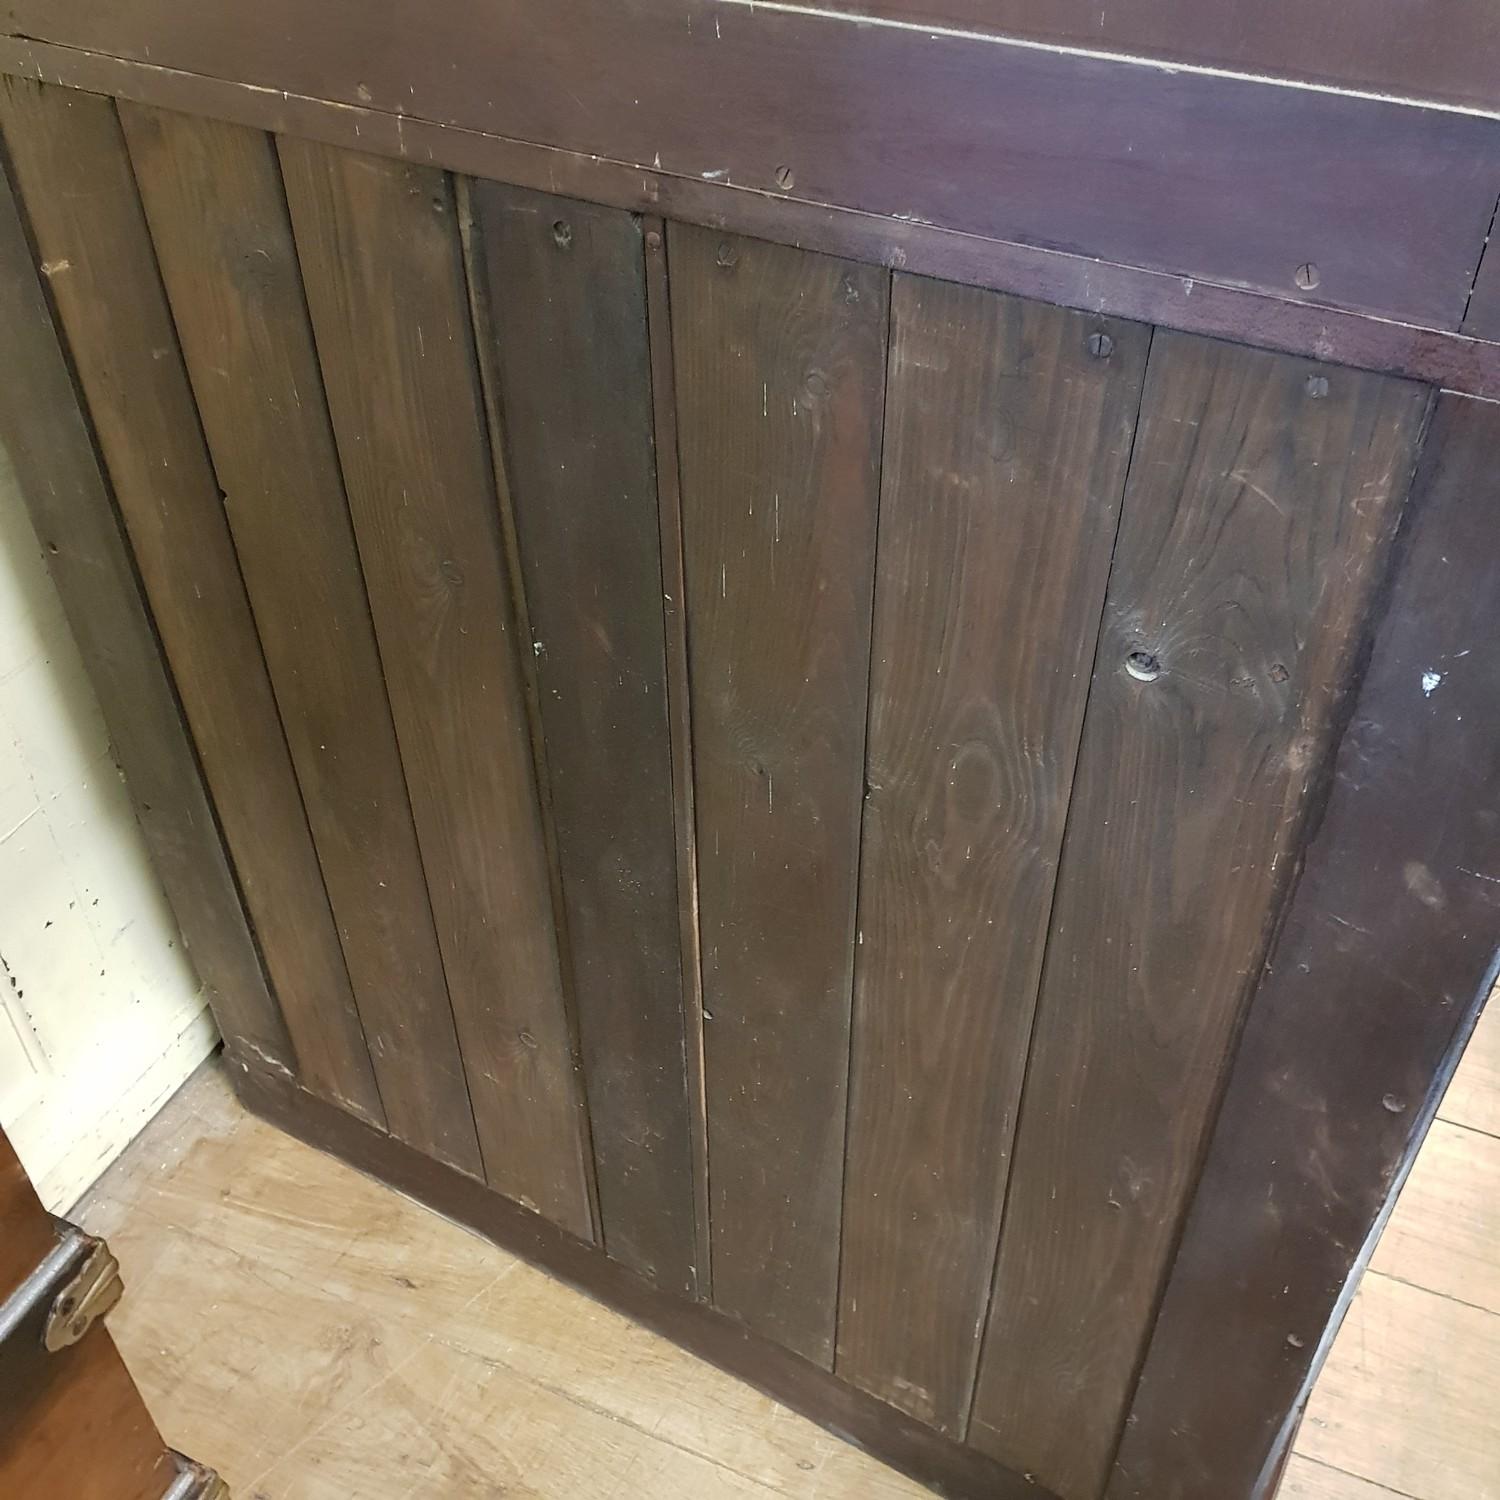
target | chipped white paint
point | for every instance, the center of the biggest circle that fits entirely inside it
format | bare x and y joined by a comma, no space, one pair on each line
101,1015
1430,682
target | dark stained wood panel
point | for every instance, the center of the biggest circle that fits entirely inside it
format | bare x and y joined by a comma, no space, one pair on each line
680,714
780,359
1482,319
1446,50
1008,431
80,196
1385,958
1115,160
1262,491
563,285
50,446
213,198
383,268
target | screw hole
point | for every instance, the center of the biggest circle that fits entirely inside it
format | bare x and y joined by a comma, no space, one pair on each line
727,255
1278,672
1307,276
1143,666
562,233
1395,1105
1317,386
785,178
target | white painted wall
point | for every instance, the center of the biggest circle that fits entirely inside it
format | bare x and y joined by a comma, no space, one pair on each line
101,1015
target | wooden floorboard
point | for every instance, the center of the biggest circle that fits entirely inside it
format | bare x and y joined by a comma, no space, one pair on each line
315,1335
1405,1406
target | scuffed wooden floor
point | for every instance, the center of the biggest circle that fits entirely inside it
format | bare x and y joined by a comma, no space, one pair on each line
315,1336
318,1337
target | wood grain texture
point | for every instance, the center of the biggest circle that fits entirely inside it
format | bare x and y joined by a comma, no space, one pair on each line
780,360
212,195
1262,493
1482,316
1388,945
698,1330
1068,278
1473,1098
680,715
383,268
1116,160
79,192
563,286
50,445
1006,446
1407,1395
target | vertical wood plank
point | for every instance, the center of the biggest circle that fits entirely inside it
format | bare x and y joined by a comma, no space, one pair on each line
79,192
1384,961
213,198
1007,439
679,708
383,268
780,359
562,288
51,447
1261,495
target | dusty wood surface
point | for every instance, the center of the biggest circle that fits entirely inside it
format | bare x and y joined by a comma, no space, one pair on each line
563,307
71,164
1008,432
780,372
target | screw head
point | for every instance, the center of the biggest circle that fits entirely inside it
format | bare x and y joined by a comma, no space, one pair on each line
785,179
1307,276
1317,386
653,239
1101,345
1143,666
562,233
727,255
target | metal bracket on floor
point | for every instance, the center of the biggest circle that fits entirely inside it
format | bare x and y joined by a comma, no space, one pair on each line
195,1482
73,1285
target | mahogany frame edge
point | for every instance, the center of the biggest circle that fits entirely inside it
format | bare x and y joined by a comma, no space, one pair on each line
884,1432
1456,361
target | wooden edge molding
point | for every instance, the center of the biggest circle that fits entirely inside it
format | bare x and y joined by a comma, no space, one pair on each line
1386,953
883,1431
1456,361
48,435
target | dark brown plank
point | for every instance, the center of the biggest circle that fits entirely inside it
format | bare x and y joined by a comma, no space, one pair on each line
1262,492
1118,160
563,286
853,1416
51,449
680,715
80,196
780,359
383,268
1064,277
1008,429
1385,958
1448,51
212,195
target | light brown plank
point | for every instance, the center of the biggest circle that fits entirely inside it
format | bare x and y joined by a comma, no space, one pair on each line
1006,443
383,267
80,196
780,359
1445,1232
1406,1399
1473,1098
1307,1479
561,289
213,198
1256,479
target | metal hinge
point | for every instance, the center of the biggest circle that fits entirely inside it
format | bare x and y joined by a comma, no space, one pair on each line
195,1482
76,1283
